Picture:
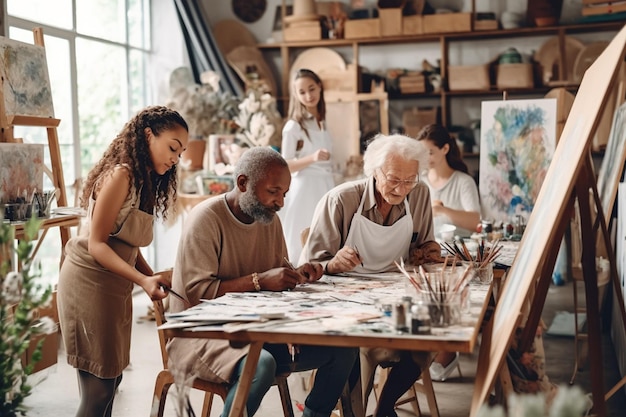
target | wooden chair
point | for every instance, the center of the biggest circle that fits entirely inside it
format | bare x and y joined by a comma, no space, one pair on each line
165,379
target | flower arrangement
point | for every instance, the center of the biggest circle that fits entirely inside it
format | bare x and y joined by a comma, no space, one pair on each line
259,119
205,108
20,297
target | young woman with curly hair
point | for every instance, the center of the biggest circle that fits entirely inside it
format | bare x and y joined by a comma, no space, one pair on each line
134,180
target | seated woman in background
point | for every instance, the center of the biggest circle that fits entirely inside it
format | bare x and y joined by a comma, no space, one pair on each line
454,198
453,191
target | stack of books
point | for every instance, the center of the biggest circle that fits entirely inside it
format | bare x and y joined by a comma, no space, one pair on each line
601,7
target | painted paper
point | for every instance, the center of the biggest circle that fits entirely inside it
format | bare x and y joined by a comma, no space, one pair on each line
26,86
21,170
518,138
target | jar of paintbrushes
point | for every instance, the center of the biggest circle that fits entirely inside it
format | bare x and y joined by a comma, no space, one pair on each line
481,259
443,288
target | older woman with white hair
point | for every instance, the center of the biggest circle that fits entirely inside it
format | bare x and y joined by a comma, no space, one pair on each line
366,225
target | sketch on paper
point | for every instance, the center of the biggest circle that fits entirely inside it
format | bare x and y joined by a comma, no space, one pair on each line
26,86
612,165
21,170
518,139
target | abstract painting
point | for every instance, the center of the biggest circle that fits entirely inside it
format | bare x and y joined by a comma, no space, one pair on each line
518,138
26,86
21,170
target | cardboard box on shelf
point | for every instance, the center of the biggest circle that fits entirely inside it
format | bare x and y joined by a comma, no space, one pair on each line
390,21
514,76
362,28
486,24
447,22
413,25
414,119
468,77
302,31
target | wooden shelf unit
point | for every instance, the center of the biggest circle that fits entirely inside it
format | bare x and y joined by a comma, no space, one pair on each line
288,49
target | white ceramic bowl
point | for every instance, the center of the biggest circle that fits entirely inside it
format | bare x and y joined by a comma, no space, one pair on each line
446,231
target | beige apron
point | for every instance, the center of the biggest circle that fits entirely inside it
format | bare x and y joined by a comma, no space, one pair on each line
95,306
379,245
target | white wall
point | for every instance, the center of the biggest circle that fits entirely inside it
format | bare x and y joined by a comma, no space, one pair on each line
169,53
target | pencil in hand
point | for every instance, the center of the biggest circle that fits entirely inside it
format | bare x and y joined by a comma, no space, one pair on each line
358,255
289,264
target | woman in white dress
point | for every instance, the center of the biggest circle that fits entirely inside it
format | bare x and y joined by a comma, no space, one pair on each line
454,199
306,146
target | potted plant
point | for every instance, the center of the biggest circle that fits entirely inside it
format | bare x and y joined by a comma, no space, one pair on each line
206,109
20,297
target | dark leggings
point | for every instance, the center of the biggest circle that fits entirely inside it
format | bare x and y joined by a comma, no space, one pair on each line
401,377
96,395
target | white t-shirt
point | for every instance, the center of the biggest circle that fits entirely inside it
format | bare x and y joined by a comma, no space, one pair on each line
459,193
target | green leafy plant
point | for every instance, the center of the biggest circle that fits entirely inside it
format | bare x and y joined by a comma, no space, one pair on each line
206,109
20,298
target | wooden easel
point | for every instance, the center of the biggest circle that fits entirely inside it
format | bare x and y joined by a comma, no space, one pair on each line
7,126
570,178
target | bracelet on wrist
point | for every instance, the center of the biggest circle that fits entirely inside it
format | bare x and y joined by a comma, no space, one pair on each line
255,281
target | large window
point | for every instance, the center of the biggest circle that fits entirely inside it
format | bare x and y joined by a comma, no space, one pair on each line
97,53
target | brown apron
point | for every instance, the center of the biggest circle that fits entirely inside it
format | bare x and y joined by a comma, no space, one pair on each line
95,305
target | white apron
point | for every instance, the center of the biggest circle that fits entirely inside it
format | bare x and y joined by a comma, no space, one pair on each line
379,245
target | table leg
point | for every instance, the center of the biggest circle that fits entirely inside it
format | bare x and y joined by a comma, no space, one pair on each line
243,389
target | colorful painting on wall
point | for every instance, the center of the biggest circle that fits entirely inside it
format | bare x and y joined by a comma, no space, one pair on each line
26,88
21,170
518,138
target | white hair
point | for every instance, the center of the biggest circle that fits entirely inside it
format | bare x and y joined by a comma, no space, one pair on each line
384,146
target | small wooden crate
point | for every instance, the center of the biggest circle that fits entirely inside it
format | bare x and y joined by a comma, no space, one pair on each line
468,77
485,25
390,21
447,22
413,25
302,31
514,76
362,28
598,7
414,119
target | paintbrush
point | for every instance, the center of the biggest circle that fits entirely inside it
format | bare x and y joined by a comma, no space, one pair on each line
175,294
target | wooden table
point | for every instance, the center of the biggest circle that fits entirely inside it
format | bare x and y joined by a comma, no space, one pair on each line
335,305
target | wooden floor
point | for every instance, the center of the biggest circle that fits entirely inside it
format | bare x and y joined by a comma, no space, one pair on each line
57,393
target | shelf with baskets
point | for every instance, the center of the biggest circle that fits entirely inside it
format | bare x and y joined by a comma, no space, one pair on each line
451,52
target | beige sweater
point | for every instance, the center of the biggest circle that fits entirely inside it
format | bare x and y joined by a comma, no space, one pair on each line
215,246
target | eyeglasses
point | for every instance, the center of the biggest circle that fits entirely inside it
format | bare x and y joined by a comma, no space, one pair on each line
395,183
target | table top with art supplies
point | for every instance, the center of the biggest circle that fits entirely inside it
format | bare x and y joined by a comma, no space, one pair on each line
347,310
481,251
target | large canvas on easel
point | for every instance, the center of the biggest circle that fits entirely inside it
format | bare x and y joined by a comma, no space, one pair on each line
26,84
541,236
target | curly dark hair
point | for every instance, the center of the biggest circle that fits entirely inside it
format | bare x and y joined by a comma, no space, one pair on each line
130,148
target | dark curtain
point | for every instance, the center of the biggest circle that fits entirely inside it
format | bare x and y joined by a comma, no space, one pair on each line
203,52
